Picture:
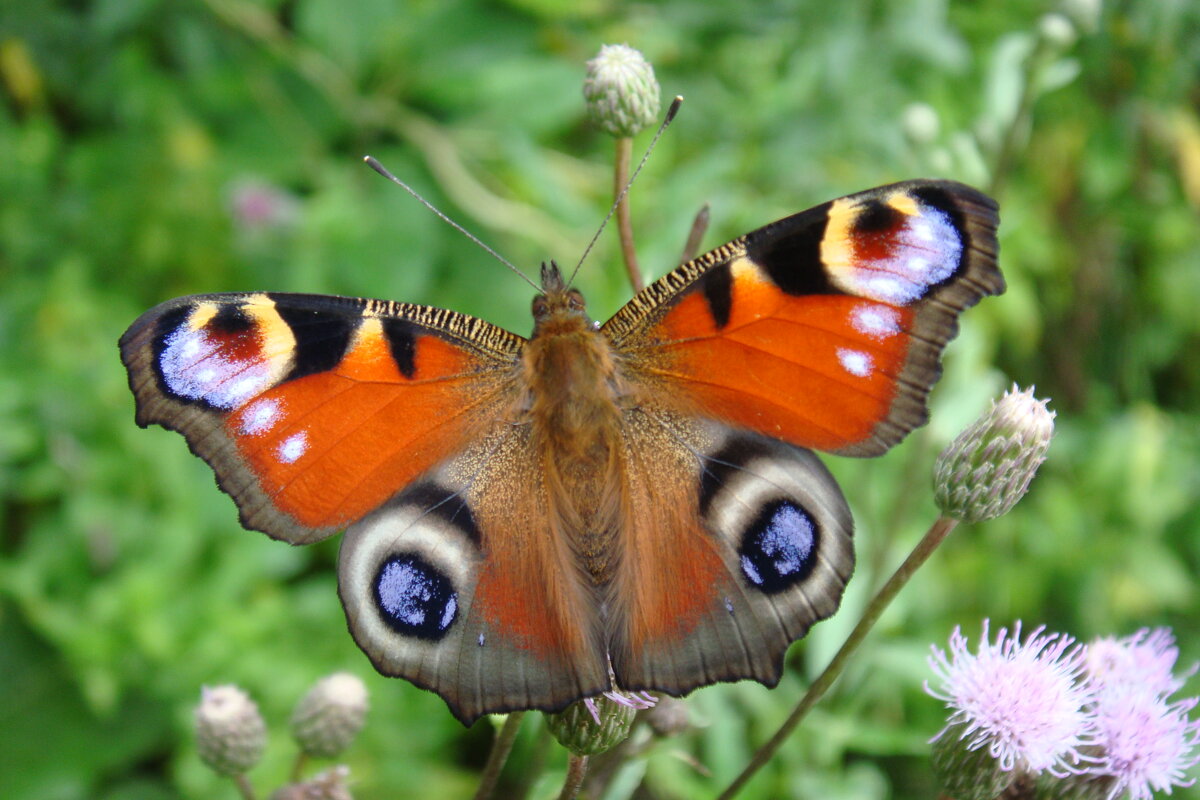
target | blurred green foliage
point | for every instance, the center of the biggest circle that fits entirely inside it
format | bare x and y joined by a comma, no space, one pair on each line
153,148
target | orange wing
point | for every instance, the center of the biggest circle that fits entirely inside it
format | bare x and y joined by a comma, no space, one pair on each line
313,411
823,329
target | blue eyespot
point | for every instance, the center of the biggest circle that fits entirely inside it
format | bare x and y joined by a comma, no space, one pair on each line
779,549
414,598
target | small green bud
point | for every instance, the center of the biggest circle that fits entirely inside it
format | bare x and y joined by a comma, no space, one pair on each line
967,774
621,92
230,733
592,726
1057,30
987,469
328,785
920,123
328,718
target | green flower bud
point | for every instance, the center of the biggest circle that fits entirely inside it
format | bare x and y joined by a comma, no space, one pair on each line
621,92
592,726
967,774
1057,30
987,469
230,733
328,785
328,718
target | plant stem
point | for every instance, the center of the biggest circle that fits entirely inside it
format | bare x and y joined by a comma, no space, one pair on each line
244,787
920,554
624,225
501,747
576,770
695,235
298,766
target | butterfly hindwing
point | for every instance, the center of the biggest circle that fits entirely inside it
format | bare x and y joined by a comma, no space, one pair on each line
823,329
736,544
315,410
462,585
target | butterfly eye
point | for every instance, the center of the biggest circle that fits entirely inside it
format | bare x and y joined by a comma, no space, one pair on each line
540,307
575,300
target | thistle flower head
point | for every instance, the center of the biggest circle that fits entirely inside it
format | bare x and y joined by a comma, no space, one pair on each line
621,92
328,718
1024,701
597,724
230,733
1146,658
987,469
1146,743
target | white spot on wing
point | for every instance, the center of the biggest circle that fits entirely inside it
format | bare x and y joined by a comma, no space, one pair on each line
293,447
877,321
260,417
855,362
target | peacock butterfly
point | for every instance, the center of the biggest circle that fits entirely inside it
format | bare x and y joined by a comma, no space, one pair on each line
529,520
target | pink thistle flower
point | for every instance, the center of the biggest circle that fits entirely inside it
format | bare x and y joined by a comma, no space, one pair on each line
1145,744
1145,658
1026,702
638,701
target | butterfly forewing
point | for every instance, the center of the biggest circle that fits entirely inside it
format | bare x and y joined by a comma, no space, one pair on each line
313,411
823,329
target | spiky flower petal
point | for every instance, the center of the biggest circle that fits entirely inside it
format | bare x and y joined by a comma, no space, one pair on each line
1023,701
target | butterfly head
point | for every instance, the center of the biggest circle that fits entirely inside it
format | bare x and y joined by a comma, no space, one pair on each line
558,306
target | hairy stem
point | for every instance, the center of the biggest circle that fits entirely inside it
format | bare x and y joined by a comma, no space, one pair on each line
576,771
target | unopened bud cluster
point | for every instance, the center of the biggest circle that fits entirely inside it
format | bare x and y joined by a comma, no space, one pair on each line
621,92
231,734
987,469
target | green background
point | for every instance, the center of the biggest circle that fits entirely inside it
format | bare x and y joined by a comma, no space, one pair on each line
129,129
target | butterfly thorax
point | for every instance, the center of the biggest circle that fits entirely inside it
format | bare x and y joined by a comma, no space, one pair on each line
575,417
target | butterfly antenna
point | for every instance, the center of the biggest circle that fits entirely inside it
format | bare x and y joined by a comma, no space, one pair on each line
671,112
382,170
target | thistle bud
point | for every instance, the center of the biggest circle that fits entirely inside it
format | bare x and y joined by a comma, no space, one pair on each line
967,774
597,724
328,785
328,718
621,92
987,469
230,733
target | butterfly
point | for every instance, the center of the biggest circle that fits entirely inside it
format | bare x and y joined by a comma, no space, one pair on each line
529,521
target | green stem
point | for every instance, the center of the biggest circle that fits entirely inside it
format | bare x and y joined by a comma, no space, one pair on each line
624,224
244,787
920,554
699,226
576,771
501,748
298,766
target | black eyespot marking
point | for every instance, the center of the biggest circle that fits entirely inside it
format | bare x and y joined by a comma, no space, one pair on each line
414,598
230,319
790,252
876,216
779,549
403,344
717,285
321,337
721,465
445,504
